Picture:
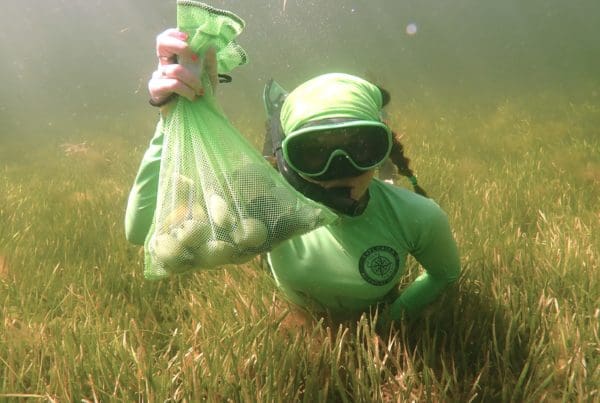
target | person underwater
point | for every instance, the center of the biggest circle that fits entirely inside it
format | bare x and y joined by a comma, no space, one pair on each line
329,142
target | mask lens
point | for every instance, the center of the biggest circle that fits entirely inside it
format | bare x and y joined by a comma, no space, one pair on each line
366,146
308,153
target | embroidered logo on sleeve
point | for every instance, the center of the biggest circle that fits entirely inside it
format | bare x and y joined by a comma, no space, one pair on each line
378,265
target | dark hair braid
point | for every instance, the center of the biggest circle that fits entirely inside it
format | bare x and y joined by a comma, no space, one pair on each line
397,153
402,163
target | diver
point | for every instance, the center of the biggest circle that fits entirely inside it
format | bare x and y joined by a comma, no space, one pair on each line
327,138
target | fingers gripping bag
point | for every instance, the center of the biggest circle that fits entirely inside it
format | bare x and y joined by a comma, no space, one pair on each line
218,201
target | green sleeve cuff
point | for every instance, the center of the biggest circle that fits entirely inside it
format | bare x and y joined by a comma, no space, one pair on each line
421,292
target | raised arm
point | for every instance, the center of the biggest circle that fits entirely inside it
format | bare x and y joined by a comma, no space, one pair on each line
142,197
169,79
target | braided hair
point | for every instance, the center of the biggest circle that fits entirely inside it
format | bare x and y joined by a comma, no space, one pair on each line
397,153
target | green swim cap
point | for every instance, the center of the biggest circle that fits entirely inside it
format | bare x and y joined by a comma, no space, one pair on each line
334,95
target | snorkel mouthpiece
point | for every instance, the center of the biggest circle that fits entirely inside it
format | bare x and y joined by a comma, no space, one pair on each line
337,198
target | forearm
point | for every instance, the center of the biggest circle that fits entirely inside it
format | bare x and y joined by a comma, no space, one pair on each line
422,292
142,197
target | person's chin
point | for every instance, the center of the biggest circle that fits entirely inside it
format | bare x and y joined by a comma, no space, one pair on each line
343,191
347,188
339,183
348,182
353,186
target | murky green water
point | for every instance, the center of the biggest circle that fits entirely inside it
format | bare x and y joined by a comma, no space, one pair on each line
74,67
499,104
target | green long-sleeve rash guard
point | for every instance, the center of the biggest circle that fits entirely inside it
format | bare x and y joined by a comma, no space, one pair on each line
347,266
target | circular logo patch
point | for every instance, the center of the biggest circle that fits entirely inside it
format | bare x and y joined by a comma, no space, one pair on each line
379,264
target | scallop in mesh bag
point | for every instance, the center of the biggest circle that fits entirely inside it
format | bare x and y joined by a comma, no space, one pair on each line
218,201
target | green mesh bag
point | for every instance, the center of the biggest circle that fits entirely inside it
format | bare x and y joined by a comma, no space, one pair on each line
218,202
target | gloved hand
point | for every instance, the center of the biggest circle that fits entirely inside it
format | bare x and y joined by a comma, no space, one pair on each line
171,77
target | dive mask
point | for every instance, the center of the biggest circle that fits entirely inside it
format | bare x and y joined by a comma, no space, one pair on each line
323,152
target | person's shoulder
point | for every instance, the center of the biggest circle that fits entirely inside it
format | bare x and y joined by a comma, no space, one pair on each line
404,196
419,219
407,203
